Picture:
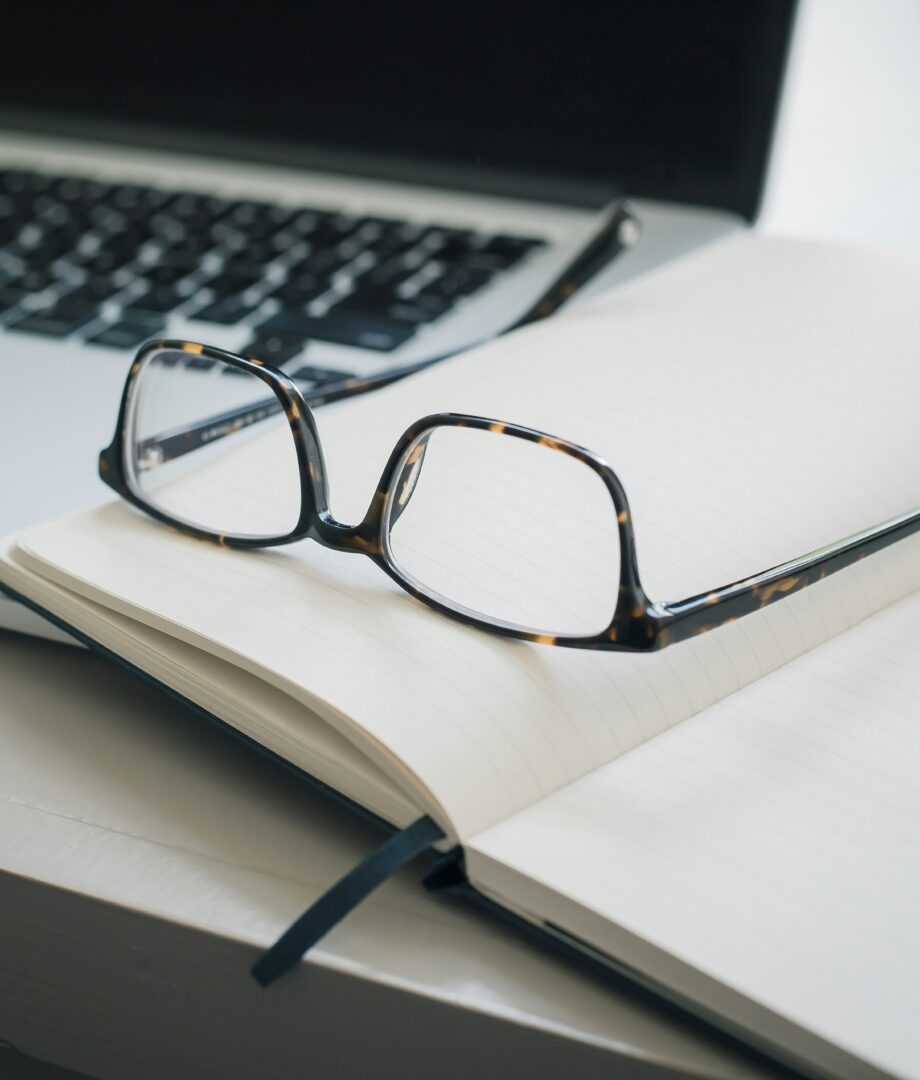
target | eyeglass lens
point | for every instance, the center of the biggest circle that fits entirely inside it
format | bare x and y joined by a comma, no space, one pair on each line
213,449
508,529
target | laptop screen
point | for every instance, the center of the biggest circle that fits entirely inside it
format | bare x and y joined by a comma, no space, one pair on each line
672,100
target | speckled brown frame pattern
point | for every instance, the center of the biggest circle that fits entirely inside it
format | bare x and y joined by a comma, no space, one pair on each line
637,624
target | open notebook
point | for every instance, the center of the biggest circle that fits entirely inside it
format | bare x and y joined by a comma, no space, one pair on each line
733,820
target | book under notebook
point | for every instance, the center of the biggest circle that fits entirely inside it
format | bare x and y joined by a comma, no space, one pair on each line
756,400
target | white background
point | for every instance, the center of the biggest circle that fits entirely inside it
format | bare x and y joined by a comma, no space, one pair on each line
846,161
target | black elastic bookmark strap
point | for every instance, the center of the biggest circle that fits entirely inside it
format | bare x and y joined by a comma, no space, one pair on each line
333,906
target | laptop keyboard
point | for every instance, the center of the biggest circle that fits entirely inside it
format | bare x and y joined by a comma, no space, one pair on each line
110,262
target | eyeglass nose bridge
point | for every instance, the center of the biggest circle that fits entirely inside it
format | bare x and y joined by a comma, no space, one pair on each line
316,520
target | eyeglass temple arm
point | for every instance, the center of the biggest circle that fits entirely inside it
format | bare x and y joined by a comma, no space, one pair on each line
618,229
707,611
172,444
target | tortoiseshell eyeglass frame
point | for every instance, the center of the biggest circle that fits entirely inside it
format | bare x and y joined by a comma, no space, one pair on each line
637,624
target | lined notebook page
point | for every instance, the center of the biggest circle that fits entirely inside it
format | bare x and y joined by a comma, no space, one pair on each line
772,844
757,402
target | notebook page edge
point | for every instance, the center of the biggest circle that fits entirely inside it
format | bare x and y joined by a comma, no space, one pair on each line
80,605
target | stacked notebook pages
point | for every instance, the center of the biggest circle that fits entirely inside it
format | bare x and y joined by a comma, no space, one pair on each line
732,821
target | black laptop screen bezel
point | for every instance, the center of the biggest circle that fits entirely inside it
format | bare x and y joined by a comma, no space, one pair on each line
672,100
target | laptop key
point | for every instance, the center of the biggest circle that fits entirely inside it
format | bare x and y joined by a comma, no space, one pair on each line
301,289
54,242
165,273
95,290
496,253
14,181
303,223
240,266
361,331
179,258
167,359
10,296
61,320
78,190
111,258
420,309
417,309
375,291
246,211
331,229
231,283
366,302
391,244
274,348
457,281
511,248
198,242
381,224
126,334
199,210
159,300
323,262
481,260
450,245
36,279
389,274
319,375
225,311
136,196
258,252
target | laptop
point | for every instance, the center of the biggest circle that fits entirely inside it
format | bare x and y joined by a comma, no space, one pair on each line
338,191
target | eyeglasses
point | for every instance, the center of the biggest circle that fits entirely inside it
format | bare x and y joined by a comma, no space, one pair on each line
500,526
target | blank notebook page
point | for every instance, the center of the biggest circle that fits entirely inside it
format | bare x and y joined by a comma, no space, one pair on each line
772,842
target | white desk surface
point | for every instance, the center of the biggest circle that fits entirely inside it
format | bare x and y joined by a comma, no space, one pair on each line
146,856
